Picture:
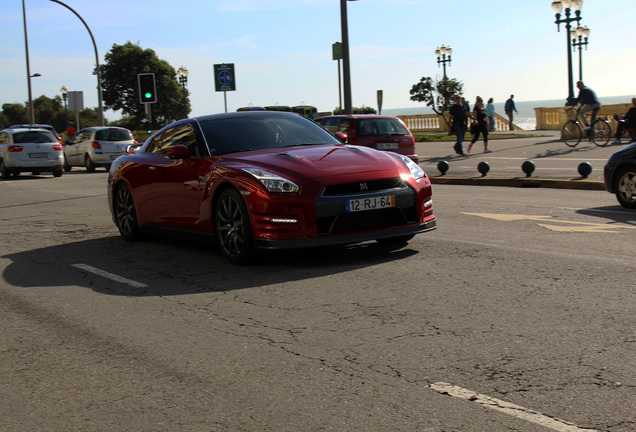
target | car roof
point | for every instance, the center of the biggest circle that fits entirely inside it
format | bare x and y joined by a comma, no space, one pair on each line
98,128
246,114
13,130
356,116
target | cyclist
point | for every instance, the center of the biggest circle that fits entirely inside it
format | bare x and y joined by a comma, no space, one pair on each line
588,102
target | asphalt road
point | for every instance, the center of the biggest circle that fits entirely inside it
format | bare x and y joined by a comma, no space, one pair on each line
516,314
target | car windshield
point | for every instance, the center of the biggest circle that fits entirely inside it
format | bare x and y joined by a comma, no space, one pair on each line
40,136
245,133
113,135
381,126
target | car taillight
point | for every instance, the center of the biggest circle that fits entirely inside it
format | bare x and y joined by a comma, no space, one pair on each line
96,145
59,140
58,147
16,148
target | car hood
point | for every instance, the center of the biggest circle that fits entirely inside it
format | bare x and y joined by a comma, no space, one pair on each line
318,161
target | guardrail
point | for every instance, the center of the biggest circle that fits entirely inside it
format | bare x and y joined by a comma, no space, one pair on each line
554,118
421,123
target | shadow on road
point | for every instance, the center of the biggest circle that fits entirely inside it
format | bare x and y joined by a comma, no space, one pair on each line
171,267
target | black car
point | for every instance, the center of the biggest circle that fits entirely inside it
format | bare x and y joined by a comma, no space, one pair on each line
620,176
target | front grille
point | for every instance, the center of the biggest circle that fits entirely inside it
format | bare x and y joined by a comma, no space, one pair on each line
333,219
363,187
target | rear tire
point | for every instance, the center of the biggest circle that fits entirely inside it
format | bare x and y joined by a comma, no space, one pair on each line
125,213
571,133
602,133
626,187
88,163
57,173
4,171
232,228
66,166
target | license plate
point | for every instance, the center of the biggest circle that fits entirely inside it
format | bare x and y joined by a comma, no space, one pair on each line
388,146
372,203
38,155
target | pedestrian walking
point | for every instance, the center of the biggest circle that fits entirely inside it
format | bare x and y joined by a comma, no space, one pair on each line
490,112
458,116
510,108
479,115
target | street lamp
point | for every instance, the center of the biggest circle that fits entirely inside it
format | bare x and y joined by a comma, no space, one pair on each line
64,91
441,54
182,75
346,69
579,37
569,5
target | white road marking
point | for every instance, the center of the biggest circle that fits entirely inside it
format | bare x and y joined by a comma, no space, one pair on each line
110,276
508,408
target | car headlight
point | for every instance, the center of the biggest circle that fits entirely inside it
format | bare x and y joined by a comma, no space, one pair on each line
273,182
415,169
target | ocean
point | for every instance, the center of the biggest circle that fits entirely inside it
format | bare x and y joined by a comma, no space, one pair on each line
525,119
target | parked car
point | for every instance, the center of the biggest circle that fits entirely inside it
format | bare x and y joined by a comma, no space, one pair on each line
620,175
267,180
29,150
98,146
370,130
38,126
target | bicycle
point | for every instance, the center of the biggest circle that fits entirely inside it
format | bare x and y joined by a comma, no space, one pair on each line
572,131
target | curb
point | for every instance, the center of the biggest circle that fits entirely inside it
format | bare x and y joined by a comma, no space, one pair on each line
575,183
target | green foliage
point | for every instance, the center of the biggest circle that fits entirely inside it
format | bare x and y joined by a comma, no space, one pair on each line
436,94
356,110
121,89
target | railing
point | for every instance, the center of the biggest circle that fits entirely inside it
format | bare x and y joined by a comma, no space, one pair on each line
420,123
547,119
554,118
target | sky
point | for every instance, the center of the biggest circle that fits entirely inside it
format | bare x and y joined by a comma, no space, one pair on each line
282,49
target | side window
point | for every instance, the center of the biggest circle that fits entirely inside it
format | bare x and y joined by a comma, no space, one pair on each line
81,137
180,135
331,124
344,126
4,138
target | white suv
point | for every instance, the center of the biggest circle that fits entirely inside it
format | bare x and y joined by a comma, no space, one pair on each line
98,146
29,150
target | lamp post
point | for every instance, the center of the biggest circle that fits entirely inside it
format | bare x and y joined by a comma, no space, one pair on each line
64,91
182,75
346,69
569,5
441,54
579,37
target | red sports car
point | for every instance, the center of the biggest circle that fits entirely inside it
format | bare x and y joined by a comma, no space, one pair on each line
267,180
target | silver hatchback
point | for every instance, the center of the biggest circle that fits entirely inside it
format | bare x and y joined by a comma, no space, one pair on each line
98,146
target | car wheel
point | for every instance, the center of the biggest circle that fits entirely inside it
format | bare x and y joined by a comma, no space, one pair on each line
125,213
232,228
626,187
88,163
57,173
66,166
4,171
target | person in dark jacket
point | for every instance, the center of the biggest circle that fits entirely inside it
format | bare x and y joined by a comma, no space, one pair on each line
509,108
479,114
458,116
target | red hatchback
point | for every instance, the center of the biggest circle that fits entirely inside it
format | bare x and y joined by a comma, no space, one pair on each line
375,131
267,180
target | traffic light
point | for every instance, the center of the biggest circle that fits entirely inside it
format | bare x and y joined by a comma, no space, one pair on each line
147,88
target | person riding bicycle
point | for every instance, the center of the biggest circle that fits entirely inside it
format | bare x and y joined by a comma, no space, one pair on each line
588,102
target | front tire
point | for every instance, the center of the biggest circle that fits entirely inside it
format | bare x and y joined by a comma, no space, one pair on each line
66,165
125,213
626,187
232,228
571,133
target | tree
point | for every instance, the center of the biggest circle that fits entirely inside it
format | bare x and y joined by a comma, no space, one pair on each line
437,94
356,110
121,89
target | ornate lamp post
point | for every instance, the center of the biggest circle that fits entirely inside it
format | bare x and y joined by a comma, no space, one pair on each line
579,37
569,5
441,54
64,91
182,75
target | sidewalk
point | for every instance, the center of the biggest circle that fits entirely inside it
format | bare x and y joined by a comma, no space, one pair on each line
556,165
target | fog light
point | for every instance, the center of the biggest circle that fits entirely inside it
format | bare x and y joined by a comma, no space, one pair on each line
427,204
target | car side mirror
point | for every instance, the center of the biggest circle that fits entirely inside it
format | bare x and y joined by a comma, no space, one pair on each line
342,137
178,152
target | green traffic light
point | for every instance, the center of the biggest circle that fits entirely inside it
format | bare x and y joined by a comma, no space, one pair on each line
148,95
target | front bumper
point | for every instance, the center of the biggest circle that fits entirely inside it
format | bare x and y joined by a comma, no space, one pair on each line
345,239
